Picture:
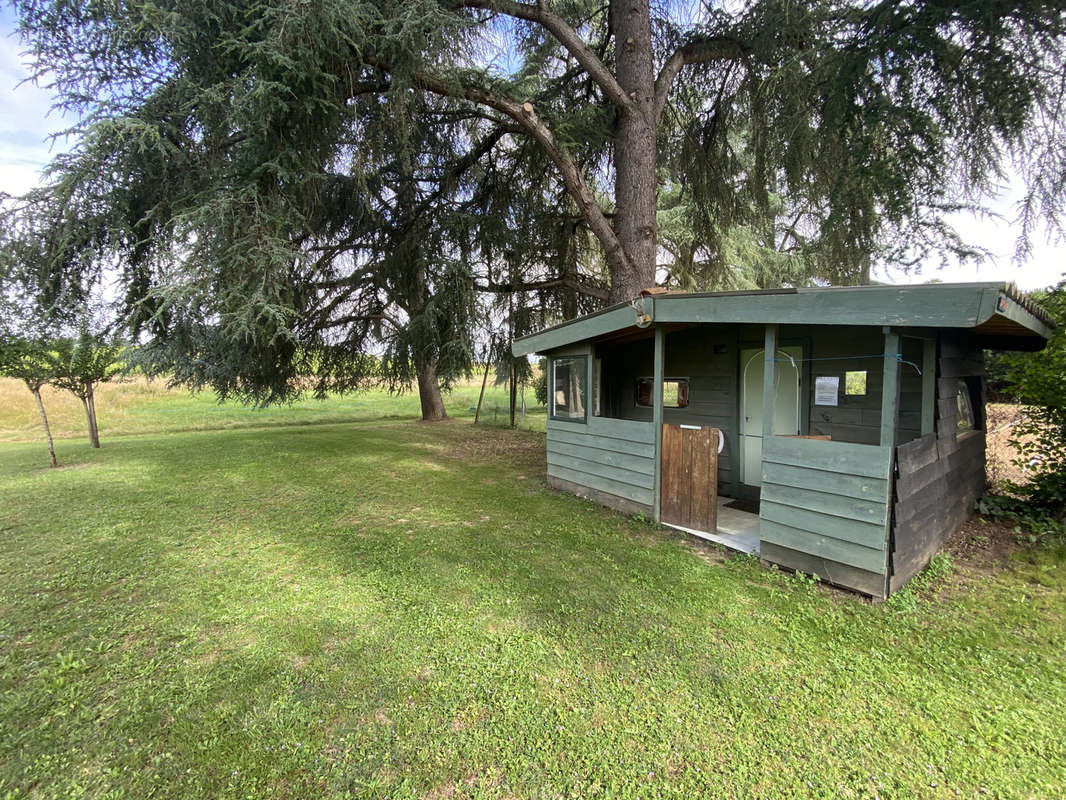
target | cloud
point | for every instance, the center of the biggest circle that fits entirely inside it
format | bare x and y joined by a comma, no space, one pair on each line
26,117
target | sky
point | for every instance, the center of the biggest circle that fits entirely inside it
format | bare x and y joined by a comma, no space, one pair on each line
26,123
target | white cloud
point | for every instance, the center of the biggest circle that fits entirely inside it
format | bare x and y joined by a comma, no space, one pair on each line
997,234
26,119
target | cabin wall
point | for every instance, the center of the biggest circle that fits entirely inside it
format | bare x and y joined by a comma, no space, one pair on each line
824,510
611,461
940,475
706,356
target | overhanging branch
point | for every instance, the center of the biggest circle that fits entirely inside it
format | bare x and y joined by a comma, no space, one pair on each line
526,117
703,51
566,36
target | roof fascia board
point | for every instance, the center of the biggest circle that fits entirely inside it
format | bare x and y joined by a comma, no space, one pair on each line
576,331
1012,310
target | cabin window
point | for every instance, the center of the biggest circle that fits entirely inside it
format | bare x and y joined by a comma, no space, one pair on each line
855,383
569,376
675,392
967,421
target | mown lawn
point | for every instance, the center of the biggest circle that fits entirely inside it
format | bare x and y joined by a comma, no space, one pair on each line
392,609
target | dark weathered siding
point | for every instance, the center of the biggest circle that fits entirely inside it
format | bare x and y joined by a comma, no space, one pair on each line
824,510
610,460
940,475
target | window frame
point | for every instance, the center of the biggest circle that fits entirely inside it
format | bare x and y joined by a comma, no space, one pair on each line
553,362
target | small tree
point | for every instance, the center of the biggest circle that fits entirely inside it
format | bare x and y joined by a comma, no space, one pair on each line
33,362
83,363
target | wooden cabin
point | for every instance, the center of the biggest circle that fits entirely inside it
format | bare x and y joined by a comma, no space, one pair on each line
836,431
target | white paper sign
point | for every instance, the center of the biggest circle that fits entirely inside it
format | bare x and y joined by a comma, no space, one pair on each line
825,390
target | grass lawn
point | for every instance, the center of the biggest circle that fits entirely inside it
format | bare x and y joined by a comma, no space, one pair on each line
391,609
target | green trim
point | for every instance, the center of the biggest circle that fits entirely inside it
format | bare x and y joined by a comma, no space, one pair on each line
657,414
769,372
945,305
890,390
928,386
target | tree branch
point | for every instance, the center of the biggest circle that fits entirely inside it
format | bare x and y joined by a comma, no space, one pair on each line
532,286
526,117
719,48
566,36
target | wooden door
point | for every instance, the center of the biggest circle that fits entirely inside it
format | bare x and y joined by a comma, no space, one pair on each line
689,477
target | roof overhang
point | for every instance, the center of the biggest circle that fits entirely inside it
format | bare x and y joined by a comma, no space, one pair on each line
996,314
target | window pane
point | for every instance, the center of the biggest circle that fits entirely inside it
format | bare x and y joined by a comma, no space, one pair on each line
644,386
675,392
568,395
855,382
965,407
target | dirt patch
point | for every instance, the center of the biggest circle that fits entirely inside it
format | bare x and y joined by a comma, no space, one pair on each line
482,443
983,545
709,553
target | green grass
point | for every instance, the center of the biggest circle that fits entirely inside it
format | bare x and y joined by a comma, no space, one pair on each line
392,609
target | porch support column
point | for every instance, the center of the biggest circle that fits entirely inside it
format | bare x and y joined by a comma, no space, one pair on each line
769,374
890,389
928,385
657,413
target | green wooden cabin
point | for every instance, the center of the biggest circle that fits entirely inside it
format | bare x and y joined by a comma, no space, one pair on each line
851,451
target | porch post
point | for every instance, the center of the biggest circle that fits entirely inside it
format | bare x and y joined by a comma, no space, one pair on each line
890,389
928,385
769,373
657,414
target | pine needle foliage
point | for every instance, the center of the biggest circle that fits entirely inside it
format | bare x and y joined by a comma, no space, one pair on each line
306,196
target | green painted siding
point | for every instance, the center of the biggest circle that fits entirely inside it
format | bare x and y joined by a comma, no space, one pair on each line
828,500
610,456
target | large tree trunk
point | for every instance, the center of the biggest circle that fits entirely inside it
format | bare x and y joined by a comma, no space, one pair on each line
47,427
429,391
634,150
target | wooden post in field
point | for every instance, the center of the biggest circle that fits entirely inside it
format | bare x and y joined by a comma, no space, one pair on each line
485,378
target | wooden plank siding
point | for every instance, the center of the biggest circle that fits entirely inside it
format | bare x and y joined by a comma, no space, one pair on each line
825,509
940,475
609,460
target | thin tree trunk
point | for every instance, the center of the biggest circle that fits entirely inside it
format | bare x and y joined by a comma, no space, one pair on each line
429,392
94,428
514,391
485,378
636,183
47,427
